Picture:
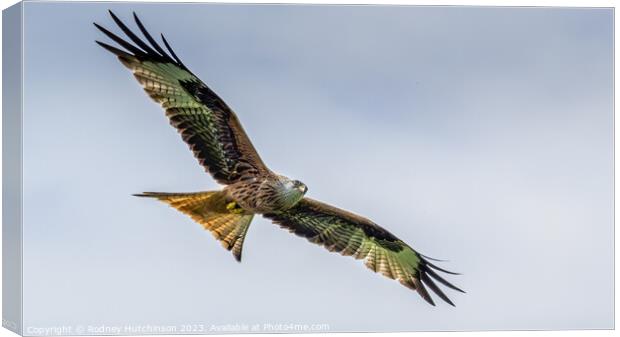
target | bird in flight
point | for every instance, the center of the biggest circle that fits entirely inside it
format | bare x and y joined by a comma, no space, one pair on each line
217,139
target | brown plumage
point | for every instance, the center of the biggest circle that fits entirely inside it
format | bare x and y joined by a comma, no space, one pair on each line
215,136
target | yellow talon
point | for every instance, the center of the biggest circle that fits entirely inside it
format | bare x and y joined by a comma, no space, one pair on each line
232,207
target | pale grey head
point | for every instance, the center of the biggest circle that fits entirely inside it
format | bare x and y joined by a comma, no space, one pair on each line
292,191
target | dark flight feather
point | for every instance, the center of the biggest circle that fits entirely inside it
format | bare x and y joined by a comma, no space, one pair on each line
128,46
440,279
170,49
149,37
429,283
114,50
132,36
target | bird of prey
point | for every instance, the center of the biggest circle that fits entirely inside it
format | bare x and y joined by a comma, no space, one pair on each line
217,139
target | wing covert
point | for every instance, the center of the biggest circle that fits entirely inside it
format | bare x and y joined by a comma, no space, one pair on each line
352,235
205,122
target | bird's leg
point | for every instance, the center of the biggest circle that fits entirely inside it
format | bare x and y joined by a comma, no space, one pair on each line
234,208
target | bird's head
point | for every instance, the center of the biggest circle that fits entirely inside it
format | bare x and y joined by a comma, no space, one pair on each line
301,187
293,191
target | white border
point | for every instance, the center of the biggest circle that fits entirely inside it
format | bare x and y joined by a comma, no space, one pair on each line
505,3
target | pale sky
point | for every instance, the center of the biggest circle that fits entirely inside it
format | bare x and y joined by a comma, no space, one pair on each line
482,136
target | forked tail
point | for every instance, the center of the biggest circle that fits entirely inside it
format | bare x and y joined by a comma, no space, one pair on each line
223,219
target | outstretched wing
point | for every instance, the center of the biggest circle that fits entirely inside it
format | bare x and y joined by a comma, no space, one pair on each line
352,235
210,128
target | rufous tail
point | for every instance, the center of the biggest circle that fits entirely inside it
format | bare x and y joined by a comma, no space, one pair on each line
224,219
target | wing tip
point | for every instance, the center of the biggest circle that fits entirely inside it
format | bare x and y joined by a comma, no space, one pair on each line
427,269
98,26
148,195
421,289
172,53
139,48
429,282
237,257
426,275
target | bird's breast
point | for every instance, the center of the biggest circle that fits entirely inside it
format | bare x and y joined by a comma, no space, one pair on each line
263,195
